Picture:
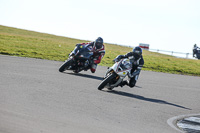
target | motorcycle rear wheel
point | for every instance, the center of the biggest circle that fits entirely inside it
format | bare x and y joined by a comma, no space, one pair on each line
106,81
65,65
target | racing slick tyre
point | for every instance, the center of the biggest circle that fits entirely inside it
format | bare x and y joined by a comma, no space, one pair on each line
106,81
64,66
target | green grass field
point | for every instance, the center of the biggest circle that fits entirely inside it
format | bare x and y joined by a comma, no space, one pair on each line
18,42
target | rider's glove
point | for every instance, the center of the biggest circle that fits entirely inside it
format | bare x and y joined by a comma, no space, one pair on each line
116,60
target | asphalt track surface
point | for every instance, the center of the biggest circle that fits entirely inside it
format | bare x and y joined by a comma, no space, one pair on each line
36,98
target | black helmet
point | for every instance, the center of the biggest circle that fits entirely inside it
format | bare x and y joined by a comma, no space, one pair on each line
98,43
137,52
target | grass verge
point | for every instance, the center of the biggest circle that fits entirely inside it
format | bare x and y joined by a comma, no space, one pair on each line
26,43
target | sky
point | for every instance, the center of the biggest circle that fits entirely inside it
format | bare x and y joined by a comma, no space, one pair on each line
172,25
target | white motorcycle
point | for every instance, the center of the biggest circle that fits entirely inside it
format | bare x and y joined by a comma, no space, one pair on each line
115,74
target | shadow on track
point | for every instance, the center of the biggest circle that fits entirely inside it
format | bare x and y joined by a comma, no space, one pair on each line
144,98
85,75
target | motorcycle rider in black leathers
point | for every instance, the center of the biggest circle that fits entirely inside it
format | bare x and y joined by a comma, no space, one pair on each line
137,61
195,50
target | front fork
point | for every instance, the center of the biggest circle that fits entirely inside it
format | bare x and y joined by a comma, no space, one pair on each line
110,72
115,82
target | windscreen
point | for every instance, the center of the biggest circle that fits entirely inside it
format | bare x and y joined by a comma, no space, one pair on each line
125,65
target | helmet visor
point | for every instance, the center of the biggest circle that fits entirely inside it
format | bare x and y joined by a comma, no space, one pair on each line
137,52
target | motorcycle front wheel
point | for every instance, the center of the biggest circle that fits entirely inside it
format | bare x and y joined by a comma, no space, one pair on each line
106,81
65,65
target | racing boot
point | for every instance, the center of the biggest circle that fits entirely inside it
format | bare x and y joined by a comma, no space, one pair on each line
123,83
77,70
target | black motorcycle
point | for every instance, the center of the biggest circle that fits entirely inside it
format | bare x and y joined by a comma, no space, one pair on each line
197,53
79,59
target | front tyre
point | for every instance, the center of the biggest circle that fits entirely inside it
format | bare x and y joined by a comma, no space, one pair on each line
106,81
65,65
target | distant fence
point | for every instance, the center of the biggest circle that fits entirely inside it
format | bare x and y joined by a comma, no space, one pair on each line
177,54
172,53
